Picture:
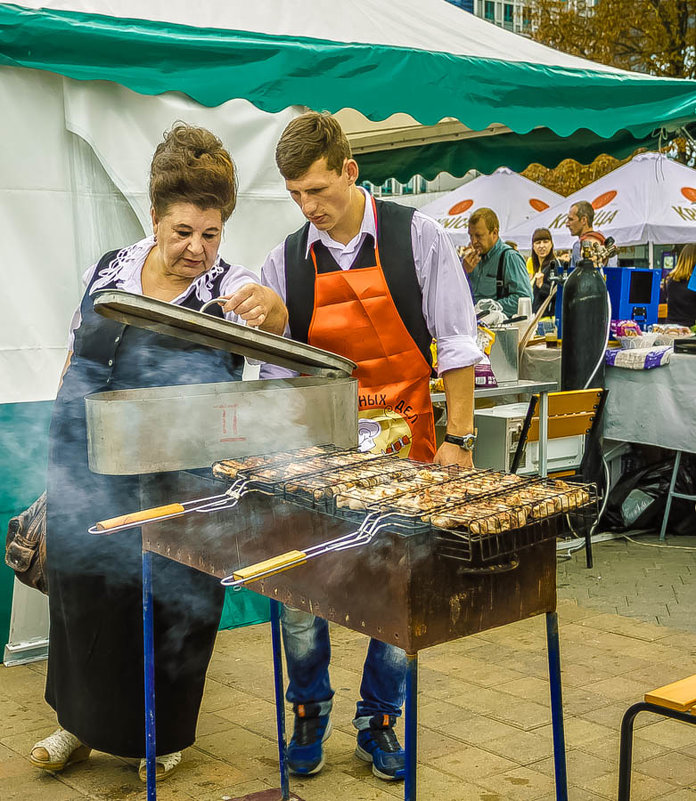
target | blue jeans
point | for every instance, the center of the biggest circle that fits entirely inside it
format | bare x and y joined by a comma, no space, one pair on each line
308,653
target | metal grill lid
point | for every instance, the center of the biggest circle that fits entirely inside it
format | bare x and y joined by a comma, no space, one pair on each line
204,329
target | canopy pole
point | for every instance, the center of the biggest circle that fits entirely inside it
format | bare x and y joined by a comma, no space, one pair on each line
650,254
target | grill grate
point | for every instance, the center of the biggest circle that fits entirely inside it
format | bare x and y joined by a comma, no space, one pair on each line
474,516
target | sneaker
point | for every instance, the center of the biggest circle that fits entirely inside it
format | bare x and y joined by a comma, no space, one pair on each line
379,745
306,749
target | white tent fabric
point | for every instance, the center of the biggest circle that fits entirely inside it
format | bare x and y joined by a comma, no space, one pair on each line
650,199
418,24
66,199
512,197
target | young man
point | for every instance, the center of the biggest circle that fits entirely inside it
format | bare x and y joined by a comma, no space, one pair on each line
495,269
375,282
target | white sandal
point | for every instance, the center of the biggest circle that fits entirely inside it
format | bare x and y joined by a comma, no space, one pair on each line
58,750
165,764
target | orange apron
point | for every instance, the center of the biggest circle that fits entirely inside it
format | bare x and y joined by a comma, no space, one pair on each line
355,316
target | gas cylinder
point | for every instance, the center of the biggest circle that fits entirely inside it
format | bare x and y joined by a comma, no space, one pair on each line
586,314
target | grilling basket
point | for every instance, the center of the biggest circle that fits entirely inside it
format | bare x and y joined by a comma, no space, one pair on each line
481,518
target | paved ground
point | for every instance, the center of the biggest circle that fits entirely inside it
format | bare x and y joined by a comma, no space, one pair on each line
626,626
650,581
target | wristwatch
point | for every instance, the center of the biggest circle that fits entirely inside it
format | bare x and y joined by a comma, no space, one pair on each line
467,442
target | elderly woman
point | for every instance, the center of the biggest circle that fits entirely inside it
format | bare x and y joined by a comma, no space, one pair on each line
95,663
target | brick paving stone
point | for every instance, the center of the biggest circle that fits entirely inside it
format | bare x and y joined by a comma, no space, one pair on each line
608,748
472,763
670,733
582,767
519,784
575,794
685,794
672,767
524,747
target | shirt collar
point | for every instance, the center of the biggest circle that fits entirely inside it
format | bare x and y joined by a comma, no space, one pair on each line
494,251
368,226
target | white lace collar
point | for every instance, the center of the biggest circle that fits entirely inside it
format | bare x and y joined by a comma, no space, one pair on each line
124,271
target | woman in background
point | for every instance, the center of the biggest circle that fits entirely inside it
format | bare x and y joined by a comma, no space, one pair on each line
681,301
543,263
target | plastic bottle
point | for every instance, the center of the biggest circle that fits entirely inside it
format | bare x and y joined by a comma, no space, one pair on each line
524,309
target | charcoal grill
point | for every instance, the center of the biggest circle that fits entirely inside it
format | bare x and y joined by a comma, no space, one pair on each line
416,585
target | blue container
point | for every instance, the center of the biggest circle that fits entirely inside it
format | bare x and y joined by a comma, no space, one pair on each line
634,293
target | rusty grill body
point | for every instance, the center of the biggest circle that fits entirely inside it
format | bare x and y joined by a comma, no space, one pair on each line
414,585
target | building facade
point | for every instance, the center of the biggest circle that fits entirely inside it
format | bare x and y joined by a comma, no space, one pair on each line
513,15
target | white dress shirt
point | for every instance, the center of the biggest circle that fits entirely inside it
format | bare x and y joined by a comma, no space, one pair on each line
447,305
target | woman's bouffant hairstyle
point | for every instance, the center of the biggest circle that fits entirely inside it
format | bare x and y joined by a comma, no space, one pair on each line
191,166
308,138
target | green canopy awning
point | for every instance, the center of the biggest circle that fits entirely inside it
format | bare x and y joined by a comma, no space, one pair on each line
581,108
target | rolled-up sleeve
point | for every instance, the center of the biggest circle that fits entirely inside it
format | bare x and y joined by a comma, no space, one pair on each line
273,276
448,307
237,277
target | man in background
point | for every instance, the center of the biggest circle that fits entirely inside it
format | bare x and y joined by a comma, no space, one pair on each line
495,269
579,223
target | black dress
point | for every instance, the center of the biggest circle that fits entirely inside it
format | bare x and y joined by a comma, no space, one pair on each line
681,303
95,662
540,293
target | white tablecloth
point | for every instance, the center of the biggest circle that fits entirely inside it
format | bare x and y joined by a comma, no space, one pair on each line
653,407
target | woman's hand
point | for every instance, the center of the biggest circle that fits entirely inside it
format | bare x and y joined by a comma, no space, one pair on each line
259,307
539,278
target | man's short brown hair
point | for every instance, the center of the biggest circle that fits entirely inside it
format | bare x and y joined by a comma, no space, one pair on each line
584,209
488,216
308,138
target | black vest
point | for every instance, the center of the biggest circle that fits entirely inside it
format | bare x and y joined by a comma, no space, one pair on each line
396,254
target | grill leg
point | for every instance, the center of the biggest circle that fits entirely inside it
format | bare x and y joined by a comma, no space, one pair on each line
543,433
559,755
411,725
280,700
149,663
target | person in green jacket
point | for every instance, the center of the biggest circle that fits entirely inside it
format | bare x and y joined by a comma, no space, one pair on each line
495,269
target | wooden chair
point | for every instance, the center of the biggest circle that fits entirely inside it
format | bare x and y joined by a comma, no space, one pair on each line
570,414
676,700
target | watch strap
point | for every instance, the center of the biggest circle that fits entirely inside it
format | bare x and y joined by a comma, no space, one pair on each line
465,441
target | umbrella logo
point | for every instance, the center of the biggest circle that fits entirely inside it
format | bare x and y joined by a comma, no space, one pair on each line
461,207
538,205
603,199
689,193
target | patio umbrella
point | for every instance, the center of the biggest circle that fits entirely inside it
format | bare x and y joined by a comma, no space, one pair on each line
513,197
652,199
